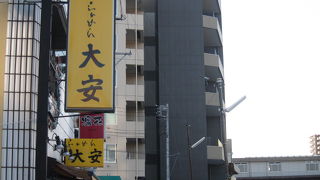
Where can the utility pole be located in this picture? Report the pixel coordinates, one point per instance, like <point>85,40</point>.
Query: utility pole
<point>163,114</point>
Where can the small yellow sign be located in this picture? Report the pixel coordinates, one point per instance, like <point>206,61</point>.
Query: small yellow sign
<point>85,152</point>
<point>90,65</point>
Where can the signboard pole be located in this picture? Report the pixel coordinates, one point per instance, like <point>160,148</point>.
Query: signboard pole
<point>42,111</point>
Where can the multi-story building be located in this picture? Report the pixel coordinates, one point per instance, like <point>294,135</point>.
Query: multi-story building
<point>184,69</point>
<point>20,36</point>
<point>182,43</point>
<point>33,52</point>
<point>124,133</point>
<point>315,144</point>
<point>284,168</point>
<point>20,46</point>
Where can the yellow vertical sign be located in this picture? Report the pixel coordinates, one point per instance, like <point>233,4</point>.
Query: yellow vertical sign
<point>85,152</point>
<point>90,65</point>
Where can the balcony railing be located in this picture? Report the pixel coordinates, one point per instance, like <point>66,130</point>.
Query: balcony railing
<point>215,153</point>
<point>211,50</point>
<point>132,117</point>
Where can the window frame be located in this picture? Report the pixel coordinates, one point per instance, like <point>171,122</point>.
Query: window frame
<point>106,153</point>
<point>244,164</point>
<point>272,165</point>
<point>310,163</point>
<point>107,123</point>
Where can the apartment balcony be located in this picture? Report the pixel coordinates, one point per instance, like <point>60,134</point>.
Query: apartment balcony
<point>135,118</point>
<point>212,104</point>
<point>138,126</point>
<point>133,164</point>
<point>212,6</point>
<point>212,31</point>
<point>215,154</point>
<point>134,44</point>
<point>135,153</point>
<point>139,53</point>
<point>131,92</point>
<point>132,21</point>
<point>213,66</point>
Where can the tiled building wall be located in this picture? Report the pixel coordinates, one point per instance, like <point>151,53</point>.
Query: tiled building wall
<point>20,91</point>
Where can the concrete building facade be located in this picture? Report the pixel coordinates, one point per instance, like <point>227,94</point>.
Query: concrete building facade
<point>20,56</point>
<point>167,52</point>
<point>315,144</point>
<point>184,69</point>
<point>124,133</point>
<point>299,167</point>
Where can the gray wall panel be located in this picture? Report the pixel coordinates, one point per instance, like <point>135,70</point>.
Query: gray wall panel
<point>213,130</point>
<point>152,171</point>
<point>181,84</point>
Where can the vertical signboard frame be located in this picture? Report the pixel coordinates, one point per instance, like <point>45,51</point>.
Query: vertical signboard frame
<point>88,101</point>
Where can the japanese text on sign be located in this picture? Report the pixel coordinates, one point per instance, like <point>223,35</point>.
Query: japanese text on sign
<point>90,56</point>
<point>91,125</point>
<point>85,152</point>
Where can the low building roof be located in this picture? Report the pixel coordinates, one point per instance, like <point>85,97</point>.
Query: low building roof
<point>279,159</point>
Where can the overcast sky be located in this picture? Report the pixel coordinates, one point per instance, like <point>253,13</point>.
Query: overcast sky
<point>272,55</point>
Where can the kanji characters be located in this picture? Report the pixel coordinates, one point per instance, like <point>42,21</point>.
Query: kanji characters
<point>85,152</point>
<point>95,155</point>
<point>77,155</point>
<point>88,120</point>
<point>89,92</point>
<point>90,55</point>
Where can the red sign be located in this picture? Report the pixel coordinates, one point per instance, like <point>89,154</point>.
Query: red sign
<point>91,125</point>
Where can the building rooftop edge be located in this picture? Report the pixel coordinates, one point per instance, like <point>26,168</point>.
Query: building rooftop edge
<point>275,158</point>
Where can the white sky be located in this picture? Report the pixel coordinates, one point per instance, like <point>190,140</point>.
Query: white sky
<point>272,55</point>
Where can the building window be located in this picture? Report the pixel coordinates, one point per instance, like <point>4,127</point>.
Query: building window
<point>131,71</point>
<point>111,156</point>
<point>312,166</point>
<point>132,147</point>
<point>110,118</point>
<point>131,36</point>
<point>274,166</point>
<point>131,6</point>
<point>133,113</point>
<point>243,167</point>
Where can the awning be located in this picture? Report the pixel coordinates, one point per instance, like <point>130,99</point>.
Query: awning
<point>109,177</point>
<point>61,172</point>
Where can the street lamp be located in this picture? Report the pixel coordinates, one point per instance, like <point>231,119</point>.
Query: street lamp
<point>198,142</point>
<point>192,147</point>
<point>230,108</point>
<point>220,84</point>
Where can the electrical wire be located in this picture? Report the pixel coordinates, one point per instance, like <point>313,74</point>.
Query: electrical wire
<point>64,130</point>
